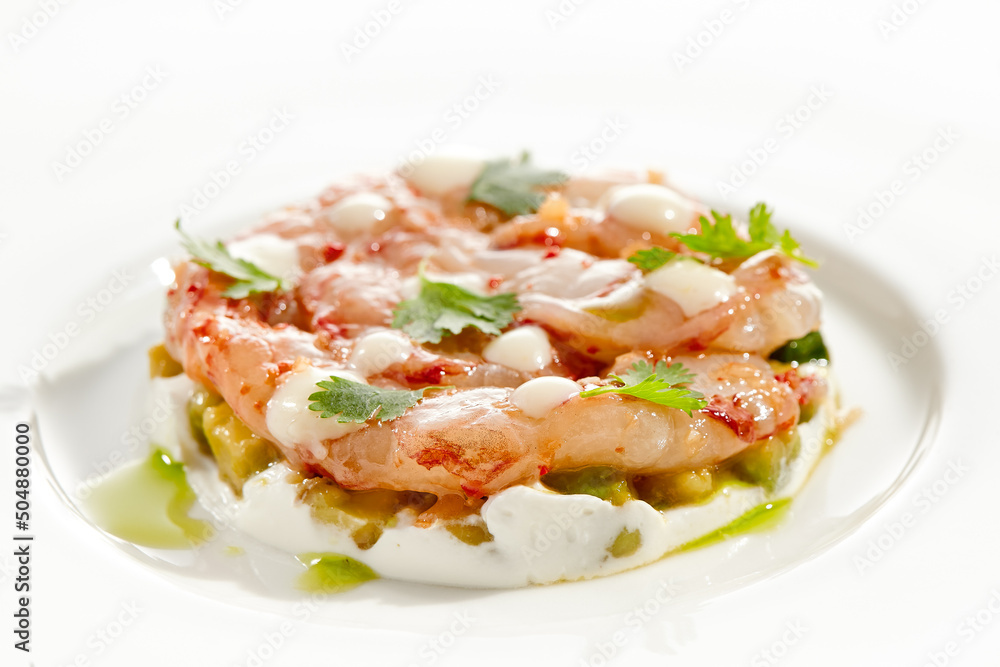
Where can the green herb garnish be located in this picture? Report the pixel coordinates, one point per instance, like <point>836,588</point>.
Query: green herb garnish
<point>355,402</point>
<point>721,240</point>
<point>650,259</point>
<point>661,384</point>
<point>443,308</point>
<point>249,278</point>
<point>801,350</point>
<point>513,185</point>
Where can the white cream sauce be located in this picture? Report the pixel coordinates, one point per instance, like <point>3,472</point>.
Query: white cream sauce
<point>692,285</point>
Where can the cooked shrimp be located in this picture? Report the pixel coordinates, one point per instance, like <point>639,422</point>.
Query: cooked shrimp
<point>597,312</point>
<point>475,441</point>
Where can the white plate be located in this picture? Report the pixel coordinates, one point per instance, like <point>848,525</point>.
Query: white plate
<point>96,393</point>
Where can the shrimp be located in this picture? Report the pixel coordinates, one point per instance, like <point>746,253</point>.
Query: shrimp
<point>773,303</point>
<point>472,440</point>
<point>476,442</point>
<point>227,345</point>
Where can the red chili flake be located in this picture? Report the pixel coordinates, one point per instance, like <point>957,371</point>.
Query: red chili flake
<point>551,237</point>
<point>543,471</point>
<point>327,324</point>
<point>553,251</point>
<point>332,251</point>
<point>733,415</point>
<point>429,374</point>
<point>803,387</point>
<point>593,349</point>
<point>495,282</point>
<point>444,456</point>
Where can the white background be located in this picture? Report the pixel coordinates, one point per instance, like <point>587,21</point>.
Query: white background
<point>886,92</point>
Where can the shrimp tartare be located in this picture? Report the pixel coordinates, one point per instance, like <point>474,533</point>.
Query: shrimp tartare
<point>483,373</point>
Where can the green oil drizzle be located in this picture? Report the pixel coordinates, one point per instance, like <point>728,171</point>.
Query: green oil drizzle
<point>332,573</point>
<point>147,503</point>
<point>763,516</point>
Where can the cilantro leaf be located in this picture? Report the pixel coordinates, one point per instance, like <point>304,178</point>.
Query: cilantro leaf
<point>443,308</point>
<point>720,239</point>
<point>249,278</point>
<point>650,259</point>
<point>672,374</point>
<point>760,227</point>
<point>661,384</point>
<point>351,401</point>
<point>512,185</point>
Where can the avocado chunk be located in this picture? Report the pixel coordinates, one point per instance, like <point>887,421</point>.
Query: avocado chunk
<point>200,399</point>
<point>801,350</point>
<point>161,364</point>
<point>766,464</point>
<point>239,453</point>
<point>682,488</point>
<point>601,482</point>
<point>365,514</point>
<point>626,543</point>
<point>472,534</point>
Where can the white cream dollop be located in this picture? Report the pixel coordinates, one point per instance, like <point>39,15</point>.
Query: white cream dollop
<point>377,351</point>
<point>523,349</point>
<point>651,207</point>
<point>290,420</point>
<point>443,172</point>
<point>358,213</point>
<point>539,396</point>
<point>277,256</point>
<point>694,286</point>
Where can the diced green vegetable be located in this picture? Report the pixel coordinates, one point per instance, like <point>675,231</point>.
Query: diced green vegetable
<point>239,453</point>
<point>201,398</point>
<point>599,481</point>
<point>766,463</point>
<point>801,350</point>
<point>670,490</point>
<point>472,534</point>
<point>364,513</point>
<point>626,544</point>
<point>161,364</point>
